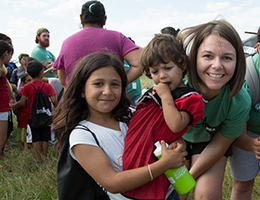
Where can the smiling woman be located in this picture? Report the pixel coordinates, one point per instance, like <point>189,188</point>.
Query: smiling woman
<point>216,64</point>
<point>217,72</point>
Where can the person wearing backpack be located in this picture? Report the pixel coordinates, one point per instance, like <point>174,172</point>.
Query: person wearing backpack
<point>39,108</point>
<point>244,164</point>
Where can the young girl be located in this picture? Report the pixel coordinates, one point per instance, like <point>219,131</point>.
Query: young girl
<point>217,72</point>
<point>22,116</point>
<point>6,52</point>
<point>96,98</point>
<point>163,113</point>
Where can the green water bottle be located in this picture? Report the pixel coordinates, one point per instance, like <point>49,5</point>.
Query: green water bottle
<point>180,178</point>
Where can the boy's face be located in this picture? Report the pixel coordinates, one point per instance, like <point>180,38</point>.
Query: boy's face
<point>28,79</point>
<point>22,62</point>
<point>169,74</point>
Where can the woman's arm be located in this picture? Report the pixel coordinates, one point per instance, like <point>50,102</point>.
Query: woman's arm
<point>97,164</point>
<point>176,120</point>
<point>133,58</point>
<point>211,154</point>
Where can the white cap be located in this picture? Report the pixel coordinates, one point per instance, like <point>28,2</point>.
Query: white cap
<point>158,150</point>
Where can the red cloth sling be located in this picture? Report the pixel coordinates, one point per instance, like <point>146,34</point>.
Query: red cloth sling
<point>148,126</point>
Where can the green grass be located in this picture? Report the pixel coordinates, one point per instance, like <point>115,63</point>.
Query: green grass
<point>21,178</point>
<point>146,82</point>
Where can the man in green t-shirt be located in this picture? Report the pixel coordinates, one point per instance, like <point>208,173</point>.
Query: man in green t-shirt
<point>41,54</point>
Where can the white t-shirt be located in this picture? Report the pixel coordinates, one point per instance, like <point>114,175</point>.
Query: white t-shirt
<point>111,141</point>
<point>55,83</point>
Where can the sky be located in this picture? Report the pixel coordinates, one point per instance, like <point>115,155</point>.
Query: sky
<point>138,19</point>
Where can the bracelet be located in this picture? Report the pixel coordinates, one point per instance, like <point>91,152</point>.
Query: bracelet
<point>150,172</point>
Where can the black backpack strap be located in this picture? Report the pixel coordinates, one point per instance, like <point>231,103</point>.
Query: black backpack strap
<point>33,87</point>
<point>87,129</point>
<point>42,85</point>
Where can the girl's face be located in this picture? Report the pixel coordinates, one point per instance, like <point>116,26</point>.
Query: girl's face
<point>103,91</point>
<point>169,74</point>
<point>7,57</point>
<point>216,64</point>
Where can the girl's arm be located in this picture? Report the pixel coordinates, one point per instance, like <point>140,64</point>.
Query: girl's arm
<point>175,119</point>
<point>96,163</point>
<point>13,100</point>
<point>211,154</point>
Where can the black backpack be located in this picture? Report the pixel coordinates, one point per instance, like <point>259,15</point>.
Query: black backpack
<point>73,181</point>
<point>41,110</point>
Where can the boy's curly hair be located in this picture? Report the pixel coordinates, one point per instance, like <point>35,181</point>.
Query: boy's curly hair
<point>164,48</point>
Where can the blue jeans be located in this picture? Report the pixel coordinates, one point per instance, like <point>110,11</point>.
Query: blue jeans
<point>173,196</point>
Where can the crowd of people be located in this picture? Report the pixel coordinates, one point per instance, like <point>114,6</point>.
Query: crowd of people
<point>200,106</point>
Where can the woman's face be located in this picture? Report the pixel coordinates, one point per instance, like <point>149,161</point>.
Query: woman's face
<point>216,64</point>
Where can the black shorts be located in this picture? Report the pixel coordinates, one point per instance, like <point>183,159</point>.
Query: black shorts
<point>40,134</point>
<point>197,148</point>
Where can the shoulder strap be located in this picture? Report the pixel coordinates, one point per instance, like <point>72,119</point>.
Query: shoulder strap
<point>42,86</point>
<point>87,129</point>
<point>252,80</point>
<point>33,87</point>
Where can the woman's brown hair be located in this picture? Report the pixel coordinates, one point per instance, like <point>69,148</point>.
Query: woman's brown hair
<point>192,37</point>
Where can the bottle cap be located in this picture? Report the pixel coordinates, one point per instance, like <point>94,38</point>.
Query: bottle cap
<point>158,150</point>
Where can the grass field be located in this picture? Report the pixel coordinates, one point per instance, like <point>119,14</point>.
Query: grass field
<point>22,179</point>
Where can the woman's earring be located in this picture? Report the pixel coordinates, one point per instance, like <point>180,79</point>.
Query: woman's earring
<point>82,95</point>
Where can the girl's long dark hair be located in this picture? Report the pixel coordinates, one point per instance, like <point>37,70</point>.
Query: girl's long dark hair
<point>73,108</point>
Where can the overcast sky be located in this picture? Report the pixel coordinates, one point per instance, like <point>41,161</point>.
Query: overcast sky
<point>139,19</point>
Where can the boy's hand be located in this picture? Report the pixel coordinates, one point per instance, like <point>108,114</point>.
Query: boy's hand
<point>162,89</point>
<point>180,142</point>
<point>13,105</point>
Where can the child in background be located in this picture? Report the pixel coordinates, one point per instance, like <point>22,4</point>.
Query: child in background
<point>19,71</point>
<point>40,136</point>
<point>22,116</point>
<point>163,113</point>
<point>96,98</point>
<point>134,88</point>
